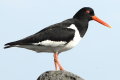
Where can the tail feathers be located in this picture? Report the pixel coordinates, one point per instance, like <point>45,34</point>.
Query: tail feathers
<point>8,46</point>
<point>11,44</point>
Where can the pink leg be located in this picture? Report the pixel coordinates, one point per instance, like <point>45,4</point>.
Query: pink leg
<point>57,63</point>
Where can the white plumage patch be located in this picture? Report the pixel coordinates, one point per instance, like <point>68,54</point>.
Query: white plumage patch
<point>76,38</point>
<point>51,43</point>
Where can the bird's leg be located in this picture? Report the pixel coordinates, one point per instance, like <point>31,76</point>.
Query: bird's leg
<point>57,61</point>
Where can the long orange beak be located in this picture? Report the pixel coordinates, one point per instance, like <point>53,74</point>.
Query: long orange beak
<point>100,21</point>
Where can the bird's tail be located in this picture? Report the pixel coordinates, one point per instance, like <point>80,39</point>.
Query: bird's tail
<point>11,44</point>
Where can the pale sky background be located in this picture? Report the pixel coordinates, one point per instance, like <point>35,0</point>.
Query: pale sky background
<point>97,57</point>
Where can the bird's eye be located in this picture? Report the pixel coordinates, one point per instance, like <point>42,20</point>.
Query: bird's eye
<point>88,11</point>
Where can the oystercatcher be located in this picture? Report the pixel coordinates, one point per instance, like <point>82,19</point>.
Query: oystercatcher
<point>59,37</point>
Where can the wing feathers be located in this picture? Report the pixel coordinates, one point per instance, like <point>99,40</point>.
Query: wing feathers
<point>58,36</point>
<point>54,34</point>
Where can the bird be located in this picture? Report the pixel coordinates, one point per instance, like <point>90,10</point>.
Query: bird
<point>59,37</point>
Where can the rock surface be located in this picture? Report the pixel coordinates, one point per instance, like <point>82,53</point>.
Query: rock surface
<point>58,75</point>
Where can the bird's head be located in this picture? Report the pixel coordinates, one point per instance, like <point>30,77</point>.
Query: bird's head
<point>88,13</point>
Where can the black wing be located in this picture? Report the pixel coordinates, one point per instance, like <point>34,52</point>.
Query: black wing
<point>53,33</point>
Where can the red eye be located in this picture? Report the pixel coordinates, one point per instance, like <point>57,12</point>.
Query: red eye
<point>88,11</point>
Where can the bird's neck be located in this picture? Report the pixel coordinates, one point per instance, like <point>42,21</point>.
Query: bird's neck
<point>82,25</point>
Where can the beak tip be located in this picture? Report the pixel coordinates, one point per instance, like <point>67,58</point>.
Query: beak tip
<point>110,26</point>
<point>100,21</point>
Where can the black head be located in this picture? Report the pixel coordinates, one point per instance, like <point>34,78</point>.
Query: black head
<point>85,12</point>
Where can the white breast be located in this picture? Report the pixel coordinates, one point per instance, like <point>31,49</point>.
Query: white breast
<point>75,40</point>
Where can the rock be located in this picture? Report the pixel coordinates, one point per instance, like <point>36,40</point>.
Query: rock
<point>58,75</point>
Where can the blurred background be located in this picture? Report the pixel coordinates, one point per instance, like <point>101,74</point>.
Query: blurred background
<point>97,57</point>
